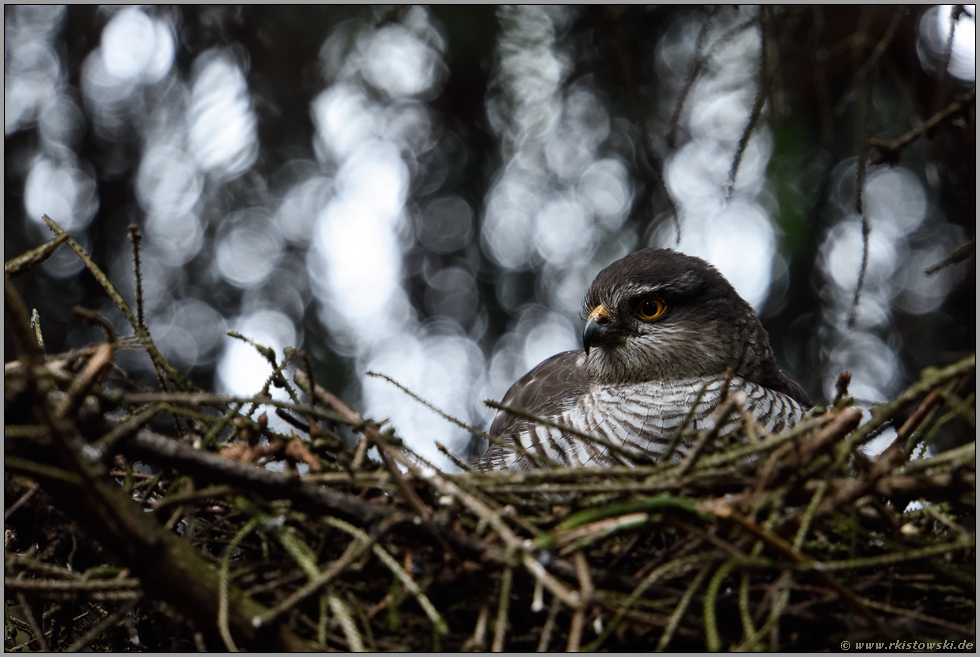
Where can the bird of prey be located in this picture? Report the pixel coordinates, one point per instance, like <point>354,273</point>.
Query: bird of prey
<point>659,327</point>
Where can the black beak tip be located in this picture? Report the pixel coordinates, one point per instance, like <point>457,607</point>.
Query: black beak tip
<point>593,334</point>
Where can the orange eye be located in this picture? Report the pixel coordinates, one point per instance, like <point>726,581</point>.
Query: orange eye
<point>650,308</point>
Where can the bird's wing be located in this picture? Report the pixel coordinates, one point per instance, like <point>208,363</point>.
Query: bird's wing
<point>544,391</point>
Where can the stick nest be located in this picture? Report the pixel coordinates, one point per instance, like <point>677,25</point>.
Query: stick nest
<point>119,537</point>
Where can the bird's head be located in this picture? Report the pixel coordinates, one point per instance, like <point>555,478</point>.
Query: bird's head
<point>661,315</point>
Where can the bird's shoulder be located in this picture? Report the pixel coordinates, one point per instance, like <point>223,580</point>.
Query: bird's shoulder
<point>772,378</point>
<point>544,390</point>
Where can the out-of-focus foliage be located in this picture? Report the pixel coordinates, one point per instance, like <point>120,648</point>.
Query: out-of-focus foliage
<point>428,192</point>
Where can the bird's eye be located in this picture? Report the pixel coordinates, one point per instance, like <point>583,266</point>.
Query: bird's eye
<point>650,308</point>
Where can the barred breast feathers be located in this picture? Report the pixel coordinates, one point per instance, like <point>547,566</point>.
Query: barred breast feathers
<point>642,418</point>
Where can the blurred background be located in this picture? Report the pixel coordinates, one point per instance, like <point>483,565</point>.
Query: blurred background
<point>428,192</point>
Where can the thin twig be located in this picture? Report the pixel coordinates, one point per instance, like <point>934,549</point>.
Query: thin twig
<point>21,500</point>
<point>961,254</point>
<point>135,237</point>
<point>159,362</point>
<point>679,431</point>
<point>503,604</point>
<point>879,561</point>
<point>477,642</point>
<point>549,625</point>
<point>430,406</point>
<point>681,609</point>
<point>355,549</point>
<point>761,95</point>
<point>871,64</point>
<point>891,148</point>
<point>36,325</point>
<point>223,628</point>
<point>103,625</point>
<point>586,589</point>
<point>698,60</point>
<point>653,160</point>
<point>783,583</point>
<point>651,579</point>
<point>39,636</point>
<point>713,426</point>
<point>27,261</point>
<point>698,66</point>
<point>347,624</point>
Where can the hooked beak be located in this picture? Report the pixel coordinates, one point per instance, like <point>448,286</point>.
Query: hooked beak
<point>597,328</point>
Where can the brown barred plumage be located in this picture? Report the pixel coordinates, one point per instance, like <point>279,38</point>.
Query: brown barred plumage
<point>660,326</point>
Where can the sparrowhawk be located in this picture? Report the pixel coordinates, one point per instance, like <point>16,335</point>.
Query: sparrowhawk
<point>659,327</point>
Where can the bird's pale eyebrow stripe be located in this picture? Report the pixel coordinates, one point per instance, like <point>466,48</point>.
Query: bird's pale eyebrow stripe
<point>634,290</point>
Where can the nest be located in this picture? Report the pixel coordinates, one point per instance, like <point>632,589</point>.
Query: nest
<point>796,541</point>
